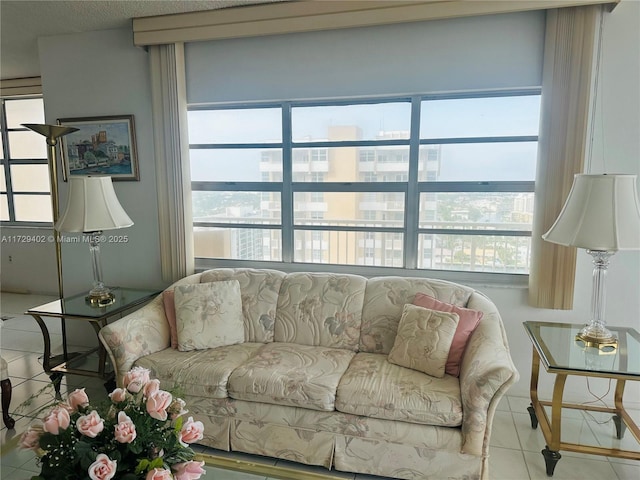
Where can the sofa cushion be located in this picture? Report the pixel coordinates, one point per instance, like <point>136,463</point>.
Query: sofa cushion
<point>199,373</point>
<point>469,320</point>
<point>259,290</point>
<point>208,315</point>
<point>373,387</point>
<point>290,374</point>
<point>424,339</point>
<point>384,300</point>
<point>320,309</point>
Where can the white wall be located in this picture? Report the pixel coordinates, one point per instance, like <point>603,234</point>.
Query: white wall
<point>616,149</point>
<point>101,73</point>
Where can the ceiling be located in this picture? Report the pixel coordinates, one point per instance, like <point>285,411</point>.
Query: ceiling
<point>22,22</point>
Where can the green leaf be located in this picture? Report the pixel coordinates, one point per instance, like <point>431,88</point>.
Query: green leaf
<point>157,463</point>
<point>142,466</point>
<point>179,422</point>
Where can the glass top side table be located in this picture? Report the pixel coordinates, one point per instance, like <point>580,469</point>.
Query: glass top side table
<point>77,308</point>
<point>555,346</point>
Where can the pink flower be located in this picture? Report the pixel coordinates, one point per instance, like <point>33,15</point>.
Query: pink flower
<point>158,403</point>
<point>57,419</point>
<point>151,387</point>
<point>125,429</point>
<point>188,470</point>
<point>136,378</point>
<point>30,439</point>
<point>77,398</point>
<point>103,468</point>
<point>158,474</point>
<point>191,432</point>
<point>118,395</point>
<point>90,425</point>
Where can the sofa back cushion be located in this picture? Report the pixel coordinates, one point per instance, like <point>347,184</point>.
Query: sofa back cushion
<point>320,309</point>
<point>385,297</point>
<point>259,291</point>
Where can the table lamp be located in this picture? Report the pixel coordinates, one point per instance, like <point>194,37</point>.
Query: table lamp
<point>602,215</point>
<point>92,207</point>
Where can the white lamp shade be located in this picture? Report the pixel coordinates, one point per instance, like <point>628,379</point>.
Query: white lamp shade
<point>601,213</point>
<point>92,206</point>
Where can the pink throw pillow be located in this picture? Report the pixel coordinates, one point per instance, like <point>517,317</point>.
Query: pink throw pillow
<point>170,312</point>
<point>469,320</point>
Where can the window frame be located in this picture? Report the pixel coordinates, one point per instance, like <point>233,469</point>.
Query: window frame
<point>412,188</point>
<point>6,162</point>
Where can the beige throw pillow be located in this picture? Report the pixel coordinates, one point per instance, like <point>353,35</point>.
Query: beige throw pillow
<point>423,340</point>
<point>208,315</point>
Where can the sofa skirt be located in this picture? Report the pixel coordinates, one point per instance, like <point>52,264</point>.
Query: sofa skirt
<point>335,440</point>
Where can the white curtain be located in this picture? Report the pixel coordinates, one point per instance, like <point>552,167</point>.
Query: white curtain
<point>172,149</point>
<point>567,85</point>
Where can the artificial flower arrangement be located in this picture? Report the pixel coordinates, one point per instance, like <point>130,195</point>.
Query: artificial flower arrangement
<point>141,434</point>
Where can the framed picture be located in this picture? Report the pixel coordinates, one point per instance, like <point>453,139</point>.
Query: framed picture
<point>101,146</point>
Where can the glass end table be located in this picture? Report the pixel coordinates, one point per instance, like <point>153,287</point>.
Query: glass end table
<point>556,347</point>
<point>77,307</point>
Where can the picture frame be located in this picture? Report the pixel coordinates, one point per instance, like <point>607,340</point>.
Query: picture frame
<point>101,146</point>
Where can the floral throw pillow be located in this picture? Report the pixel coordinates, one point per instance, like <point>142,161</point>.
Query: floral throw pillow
<point>208,315</point>
<point>469,320</point>
<point>170,311</point>
<point>423,340</point>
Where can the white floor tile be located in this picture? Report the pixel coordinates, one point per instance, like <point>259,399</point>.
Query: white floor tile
<point>507,464</point>
<point>573,431</point>
<point>627,471</point>
<point>28,324</point>
<point>503,433</point>
<point>27,366</point>
<point>29,397</point>
<point>519,404</point>
<point>17,303</point>
<point>503,406</point>
<point>27,341</point>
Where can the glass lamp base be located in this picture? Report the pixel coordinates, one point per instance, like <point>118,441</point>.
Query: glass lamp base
<point>597,336</point>
<point>100,297</point>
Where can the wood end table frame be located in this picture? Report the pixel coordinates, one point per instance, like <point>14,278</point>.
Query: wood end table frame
<point>557,359</point>
<point>77,308</point>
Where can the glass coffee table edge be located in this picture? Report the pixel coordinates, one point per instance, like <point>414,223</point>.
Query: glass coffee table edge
<point>263,469</point>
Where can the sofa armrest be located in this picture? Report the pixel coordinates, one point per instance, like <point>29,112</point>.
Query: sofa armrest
<point>486,373</point>
<point>140,333</point>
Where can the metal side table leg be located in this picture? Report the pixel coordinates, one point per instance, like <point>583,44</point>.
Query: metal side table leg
<point>551,458</point>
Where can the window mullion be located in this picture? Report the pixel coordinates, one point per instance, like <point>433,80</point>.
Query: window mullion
<point>412,198</point>
<point>287,189</point>
<point>7,166</point>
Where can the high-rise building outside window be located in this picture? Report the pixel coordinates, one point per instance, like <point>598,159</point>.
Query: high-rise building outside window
<point>440,182</point>
<point>25,197</point>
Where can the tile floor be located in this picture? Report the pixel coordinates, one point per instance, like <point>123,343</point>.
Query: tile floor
<point>515,452</point>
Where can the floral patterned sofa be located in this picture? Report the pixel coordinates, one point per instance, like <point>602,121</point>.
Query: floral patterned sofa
<point>312,382</point>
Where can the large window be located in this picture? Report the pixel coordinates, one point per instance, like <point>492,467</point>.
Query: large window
<point>24,174</point>
<point>421,182</point>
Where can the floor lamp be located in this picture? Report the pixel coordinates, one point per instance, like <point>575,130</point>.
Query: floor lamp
<point>52,134</point>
